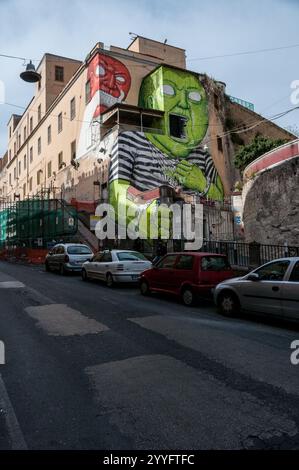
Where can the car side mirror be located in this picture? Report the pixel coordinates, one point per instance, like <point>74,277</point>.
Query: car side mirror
<point>253,277</point>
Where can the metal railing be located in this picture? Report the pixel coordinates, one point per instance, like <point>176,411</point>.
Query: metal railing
<point>249,255</point>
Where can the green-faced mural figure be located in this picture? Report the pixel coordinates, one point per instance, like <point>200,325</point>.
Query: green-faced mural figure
<point>183,99</point>
<point>174,157</point>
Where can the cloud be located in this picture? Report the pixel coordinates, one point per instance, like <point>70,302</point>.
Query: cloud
<point>31,28</point>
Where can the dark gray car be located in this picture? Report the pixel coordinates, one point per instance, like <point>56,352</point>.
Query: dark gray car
<point>68,257</point>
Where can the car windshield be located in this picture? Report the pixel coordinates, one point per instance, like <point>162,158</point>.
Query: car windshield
<point>78,250</point>
<point>131,256</point>
<point>215,263</point>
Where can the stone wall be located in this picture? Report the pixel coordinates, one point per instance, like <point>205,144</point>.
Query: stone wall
<point>271,205</point>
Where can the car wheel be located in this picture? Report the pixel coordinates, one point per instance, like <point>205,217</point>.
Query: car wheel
<point>84,275</point>
<point>188,297</point>
<point>47,267</point>
<point>62,270</point>
<point>109,280</point>
<point>144,288</point>
<point>228,304</point>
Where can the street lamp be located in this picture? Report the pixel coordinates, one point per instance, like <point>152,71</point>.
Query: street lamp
<point>30,74</point>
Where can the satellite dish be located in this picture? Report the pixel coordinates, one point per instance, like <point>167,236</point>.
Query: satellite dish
<point>30,75</point>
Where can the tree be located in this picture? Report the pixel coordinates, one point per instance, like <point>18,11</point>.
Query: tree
<point>250,152</point>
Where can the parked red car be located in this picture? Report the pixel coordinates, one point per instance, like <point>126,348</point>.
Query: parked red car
<point>186,274</point>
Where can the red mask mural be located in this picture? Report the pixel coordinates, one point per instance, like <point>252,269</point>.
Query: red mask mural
<point>110,78</point>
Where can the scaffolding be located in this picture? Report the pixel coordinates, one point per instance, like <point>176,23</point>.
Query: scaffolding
<point>36,221</point>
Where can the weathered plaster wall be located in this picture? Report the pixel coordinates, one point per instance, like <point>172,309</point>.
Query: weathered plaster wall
<point>271,206</point>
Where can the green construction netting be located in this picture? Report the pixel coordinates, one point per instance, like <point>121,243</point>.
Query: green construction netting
<point>31,219</point>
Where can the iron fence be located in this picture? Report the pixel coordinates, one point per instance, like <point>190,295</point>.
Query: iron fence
<point>249,255</point>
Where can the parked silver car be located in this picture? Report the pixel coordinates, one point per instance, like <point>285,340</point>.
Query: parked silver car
<point>67,257</point>
<point>116,266</point>
<point>270,289</point>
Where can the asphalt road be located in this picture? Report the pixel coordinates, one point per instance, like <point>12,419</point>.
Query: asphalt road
<point>89,367</point>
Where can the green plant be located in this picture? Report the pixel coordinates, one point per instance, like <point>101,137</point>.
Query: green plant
<point>250,152</point>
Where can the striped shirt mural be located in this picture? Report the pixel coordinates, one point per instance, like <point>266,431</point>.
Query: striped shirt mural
<point>135,159</point>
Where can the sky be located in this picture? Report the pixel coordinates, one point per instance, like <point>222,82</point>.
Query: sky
<point>29,28</point>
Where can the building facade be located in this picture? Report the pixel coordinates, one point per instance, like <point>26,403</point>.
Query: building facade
<point>124,123</point>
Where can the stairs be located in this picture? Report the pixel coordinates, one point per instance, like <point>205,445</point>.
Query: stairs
<point>87,237</point>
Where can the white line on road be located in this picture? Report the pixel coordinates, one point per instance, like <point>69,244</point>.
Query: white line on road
<point>11,285</point>
<point>14,430</point>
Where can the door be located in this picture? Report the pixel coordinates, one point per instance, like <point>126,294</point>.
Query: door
<point>92,267</point>
<point>183,272</point>
<point>265,294</point>
<point>213,270</point>
<point>51,258</point>
<point>57,251</point>
<point>103,265</point>
<point>162,277</point>
<point>290,294</point>
<point>60,256</point>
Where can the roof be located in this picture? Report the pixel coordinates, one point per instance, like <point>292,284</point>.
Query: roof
<point>174,67</point>
<point>153,40</point>
<point>130,107</point>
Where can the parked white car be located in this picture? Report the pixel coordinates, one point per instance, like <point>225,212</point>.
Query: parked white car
<point>271,289</point>
<point>116,266</point>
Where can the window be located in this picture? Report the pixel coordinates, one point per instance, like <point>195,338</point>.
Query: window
<point>78,250</point>
<point>219,144</point>
<point>38,177</point>
<point>97,257</point>
<point>73,108</point>
<point>24,190</point>
<point>20,168</point>
<point>87,92</point>
<point>106,258</point>
<point>39,146</point>
<point>49,134</point>
<point>10,132</point>
<point>14,172</point>
<point>131,256</point>
<point>273,271</point>
<point>39,113</point>
<point>19,140</point>
<point>185,262</point>
<point>167,262</point>
<point>60,160</point>
<point>294,277</point>
<point>31,124</point>
<point>10,179</point>
<point>73,150</point>
<point>215,263</point>
<point>59,122</point>
<point>177,126</point>
<point>30,184</point>
<point>59,73</point>
<point>9,154</point>
<point>25,162</point>
<point>49,169</point>
<point>31,154</point>
<point>25,133</point>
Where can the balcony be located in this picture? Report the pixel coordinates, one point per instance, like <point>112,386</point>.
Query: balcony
<point>123,117</point>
